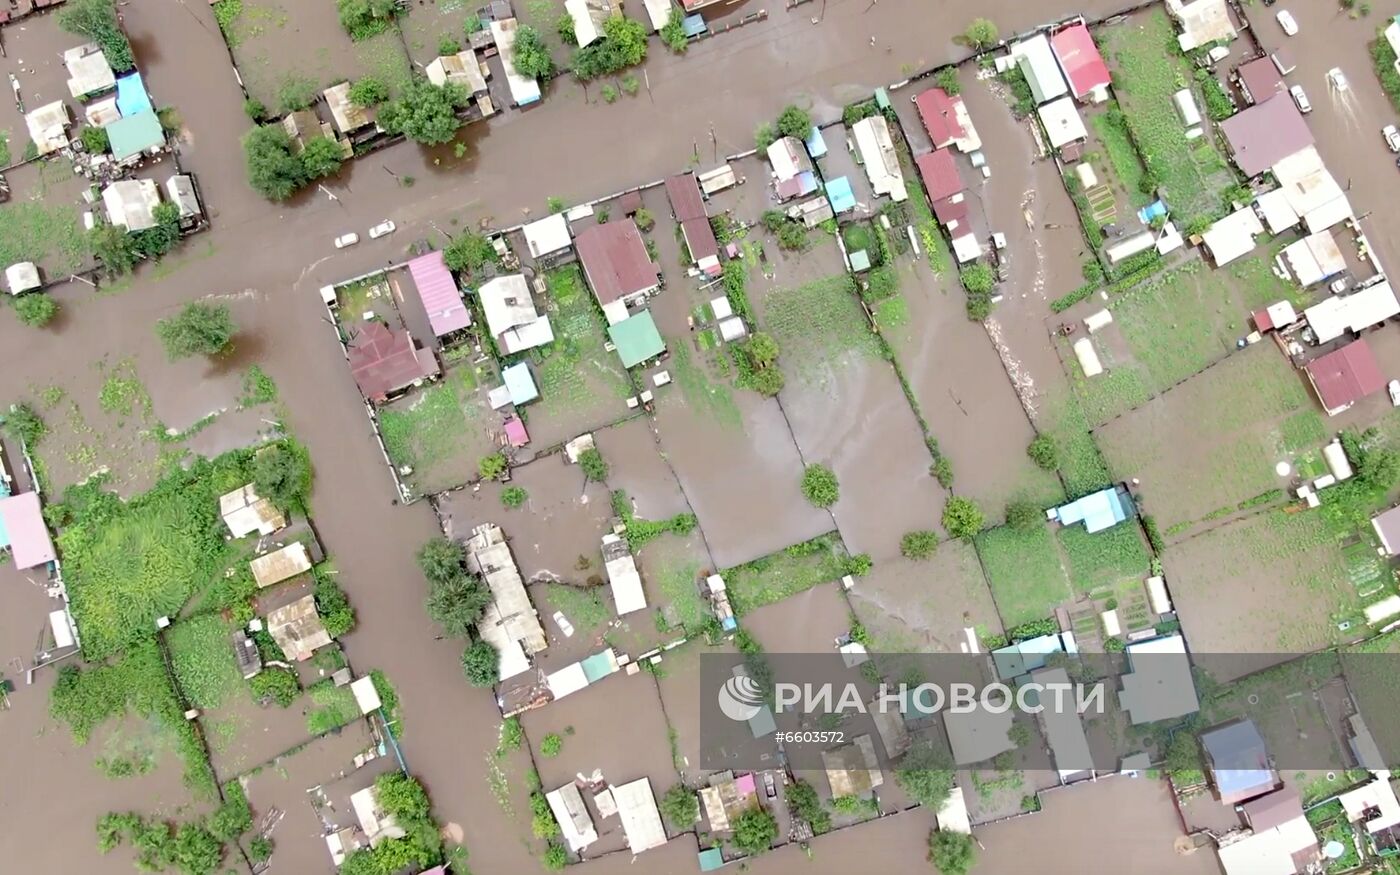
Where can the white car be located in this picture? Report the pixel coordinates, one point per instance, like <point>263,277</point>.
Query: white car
<point>563,623</point>
<point>345,240</point>
<point>1392,137</point>
<point>383,228</point>
<point>1394,387</point>
<point>1337,78</point>
<point>1287,22</point>
<point>1300,98</point>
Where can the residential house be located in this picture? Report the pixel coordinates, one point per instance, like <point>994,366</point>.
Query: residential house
<point>510,622</point>
<point>524,90</point>
<point>1345,376</point>
<point>1312,193</point>
<point>1064,730</point>
<point>385,361</point>
<point>1062,122</point>
<point>641,822</point>
<point>1337,315</point>
<point>588,16</point>
<point>617,266</point>
<point>23,530</point>
<point>1266,133</point>
<point>132,203</point>
<point>347,115</point>
<point>792,168</point>
<point>1259,79</point>
<point>1232,237</point>
<point>1239,761</point>
<point>1036,61</point>
<point>461,68</point>
<point>575,824</point>
<point>1081,63</point>
<point>1097,511</point>
<point>279,565</point>
<point>88,71</point>
<point>852,769</point>
<point>511,316</point>
<point>1373,806</point>
<point>939,171</point>
<point>978,734</point>
<point>48,127</point>
<point>297,628</point>
<point>947,121</point>
<point>245,513</point>
<point>727,797</point>
<point>1314,259</point>
<point>1159,685</point>
<point>621,568</point>
<point>876,148</point>
<point>438,292</point>
<point>1202,22</point>
<point>1278,841</point>
<point>689,209</point>
<point>1387,528</point>
<point>636,339</point>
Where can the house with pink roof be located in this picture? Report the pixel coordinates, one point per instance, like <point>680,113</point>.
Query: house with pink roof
<point>23,530</point>
<point>446,310</point>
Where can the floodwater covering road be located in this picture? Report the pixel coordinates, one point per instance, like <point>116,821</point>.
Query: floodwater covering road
<point>277,256</point>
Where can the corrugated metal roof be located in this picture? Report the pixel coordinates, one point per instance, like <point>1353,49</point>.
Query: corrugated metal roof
<point>447,312</point>
<point>24,526</point>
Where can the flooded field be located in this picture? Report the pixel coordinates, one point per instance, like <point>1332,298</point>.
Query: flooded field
<point>43,220</point>
<point>924,607</point>
<point>809,622</point>
<point>34,58</point>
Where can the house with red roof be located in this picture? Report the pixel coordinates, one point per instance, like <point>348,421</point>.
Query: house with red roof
<point>1081,62</point>
<point>1345,376</point>
<point>688,207</point>
<point>943,183</point>
<point>385,361</point>
<point>946,119</point>
<point>616,262</point>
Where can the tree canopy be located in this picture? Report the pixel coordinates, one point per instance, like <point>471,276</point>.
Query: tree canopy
<point>424,112</point>
<point>925,776</point>
<point>282,475</point>
<point>321,156</point>
<point>469,252</point>
<point>97,20</point>
<point>754,831</point>
<point>795,122</point>
<point>481,663</point>
<point>819,486</point>
<point>368,91</point>
<point>273,170</point>
<point>962,518</point>
<point>36,309</point>
<point>624,44</point>
<point>200,328</point>
<point>981,33</point>
<point>531,55</point>
<point>951,853</point>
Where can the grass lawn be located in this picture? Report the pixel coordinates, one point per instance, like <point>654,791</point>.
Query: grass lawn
<point>332,707</point>
<point>816,324</point>
<point>1081,463</point>
<point>47,234</point>
<point>584,607</point>
<point>1147,70</point>
<point>1304,430</point>
<point>1024,570</point>
<point>575,371</point>
<point>1103,559</point>
<point>434,427</point>
<point>787,572</point>
<point>202,652</point>
<point>712,397</point>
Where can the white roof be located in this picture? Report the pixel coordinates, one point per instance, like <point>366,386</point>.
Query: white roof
<point>640,819</point>
<point>489,555</point>
<point>721,308</point>
<point>574,822</point>
<point>1314,258</point>
<point>1062,122</point>
<point>732,328</point>
<point>548,235</point>
<point>1202,21</point>
<point>22,277</point>
<point>1336,459</point>
<point>719,179</point>
<point>1383,610</point>
<point>523,89</point>
<point>785,154</point>
<point>1157,595</point>
<point>877,152</point>
<point>493,631</point>
<point>1279,214</point>
<point>102,113</point>
<point>377,825</point>
<point>953,815</point>
<point>1063,728</point>
<point>1041,70</point>
<point>180,189</point>
<point>1098,320</point>
<point>569,679</point>
<point>366,696</point>
<point>1311,190</point>
<point>1233,236</point>
<point>280,565</point>
<point>1377,794</point>
<point>588,20</point>
<point>1186,105</point>
<point>461,68</point>
<point>622,575</point>
<point>659,11</point>
<point>62,627</point>
<point>1356,312</point>
<point>966,248</point>
<point>132,202</point>
<point>1088,357</point>
<point>347,115</point>
<point>88,70</point>
<point>1269,852</point>
<point>244,513</point>
<point>511,315</point>
<point>1160,686</point>
<point>48,127</point>
<point>1130,247</point>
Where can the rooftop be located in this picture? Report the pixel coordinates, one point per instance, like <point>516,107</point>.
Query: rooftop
<point>1202,22</point>
<point>636,339</point>
<point>689,208</point>
<point>615,260</point>
<point>938,111</point>
<point>1080,59</point>
<point>511,316</point>
<point>548,235</point>
<point>1265,133</point>
<point>447,312</point>
<point>348,115</point>
<point>297,628</point>
<point>852,769</point>
<point>88,71</point>
<point>133,134</point>
<point>1160,685</point>
<point>940,174</point>
<point>1098,511</point>
<point>640,820</point>
<point>461,69</point>
<point>1062,122</point>
<point>872,136</point>
<point>523,89</point>
<point>281,565</point>
<point>1344,376</point>
<point>1239,761</point>
<point>1260,79</point>
<point>244,513</point>
<point>1042,71</point>
<point>132,203</point>
<point>385,360</point>
<point>1334,316</point>
<point>23,530</point>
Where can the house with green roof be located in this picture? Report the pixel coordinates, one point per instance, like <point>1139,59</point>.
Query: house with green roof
<point>636,339</point>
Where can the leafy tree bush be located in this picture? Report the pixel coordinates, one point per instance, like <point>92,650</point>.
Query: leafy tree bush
<point>424,112</point>
<point>1044,452</point>
<point>114,248</point>
<point>275,685</point>
<point>456,604</point>
<point>754,831</point>
<point>337,615</point>
<point>36,309</point>
<point>763,137</point>
<point>469,252</point>
<point>978,278</point>
<point>402,797</point>
<point>95,140</point>
<point>97,20</point>
<point>551,745</point>
<point>363,19</point>
<point>1024,516</point>
<point>199,329</point>
<point>273,170</point>
<point>513,496</point>
<point>295,93</point>
<point>942,471</point>
<point>449,45</point>
<point>951,853</point>
<point>925,776</point>
<point>255,109</point>
<point>673,34</point>
<point>442,559</point>
<point>368,91</point>
<point>981,33</point>
<point>794,121</point>
<point>542,822</point>
<point>492,467</point>
<point>282,474</point>
<point>564,26</point>
<point>260,849</point>
<point>680,806</point>
<point>644,219</point>
<point>24,425</point>
<point>555,857</point>
<point>805,804</point>
<point>962,518</point>
<point>819,486</point>
<point>481,663</point>
<point>531,55</point>
<point>792,236</point>
<point>979,306</point>
<point>918,544</point>
<point>157,241</point>
<point>762,349</point>
<point>624,44</point>
<point>234,817</point>
<point>947,79</point>
<point>594,466</point>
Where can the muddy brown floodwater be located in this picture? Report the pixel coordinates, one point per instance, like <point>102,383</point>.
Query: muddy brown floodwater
<point>273,258</point>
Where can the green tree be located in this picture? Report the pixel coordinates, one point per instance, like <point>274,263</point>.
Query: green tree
<point>402,797</point>
<point>157,241</point>
<point>762,349</point>
<point>564,25</point>
<point>805,804</point>
<point>469,252</point>
<point>680,806</point>
<point>273,170</point>
<point>754,831</point>
<point>234,817</point>
<point>24,425</point>
<point>555,857</point>
<point>1044,452</point>
<point>551,745</point>
<point>481,663</point>
<point>947,79</point>
<point>456,604</point>
<point>113,246</point>
<point>492,467</point>
<point>368,91</point>
<point>981,33</point>
<point>951,853</point>
<point>36,309</point>
<point>925,776</point>
<point>819,486</point>
<point>1024,516</point>
<point>97,20</point>
<point>275,685</point>
<point>424,112</point>
<point>95,140</point>
<point>531,54</point>
<point>978,278</point>
<point>200,328</point>
<point>321,157</point>
<point>363,19</point>
<point>282,474</point>
<point>794,122</point>
<point>624,44</point>
<point>594,466</point>
<point>962,518</point>
<point>442,559</point>
<point>673,34</point>
<point>260,849</point>
<point>918,544</point>
<point>513,496</point>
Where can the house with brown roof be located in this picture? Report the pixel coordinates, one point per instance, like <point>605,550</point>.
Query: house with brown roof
<point>1345,376</point>
<point>943,183</point>
<point>689,209</point>
<point>1265,134</point>
<point>1259,79</point>
<point>385,361</point>
<point>616,263</point>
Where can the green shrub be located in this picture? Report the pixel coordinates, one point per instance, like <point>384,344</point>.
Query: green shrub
<point>819,486</point>
<point>942,471</point>
<point>275,685</point>
<point>623,45</point>
<point>594,466</point>
<point>513,496</point>
<point>337,615</point>
<point>555,857</point>
<point>469,252</point>
<point>255,109</point>
<point>492,467</point>
<point>754,831</point>
<point>1024,515</point>
<point>424,112</point>
<point>925,776</point>
<point>1083,293</point>
<point>97,20</point>
<point>918,544</point>
<point>1044,452</point>
<point>947,79</point>
<point>531,54</point>
<point>199,329</point>
<point>551,745</point>
<point>95,140</point>
<point>481,663</point>
<point>978,278</point>
<point>1154,534</point>
<point>260,849</point>
<point>794,122</point>
<point>35,309</point>
<point>951,853</point>
<point>981,33</point>
<point>369,91</point>
<point>680,806</point>
<point>962,518</point>
<point>363,19</point>
<point>673,34</point>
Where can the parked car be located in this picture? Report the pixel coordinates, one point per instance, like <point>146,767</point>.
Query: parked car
<point>1337,79</point>
<point>1287,22</point>
<point>1300,98</point>
<point>770,787</point>
<point>383,228</point>
<point>345,240</point>
<point>564,625</point>
<point>1392,137</point>
<point>1394,387</point>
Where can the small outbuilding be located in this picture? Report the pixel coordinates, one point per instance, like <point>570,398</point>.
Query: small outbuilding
<point>641,822</point>
<point>1037,63</point>
<point>1063,124</point>
<point>1239,761</point>
<point>132,203</point>
<point>22,277</point>
<point>298,629</point>
<point>134,135</point>
<point>279,565</point>
<point>520,383</point>
<point>575,824</point>
<point>48,127</point>
<point>1345,376</point>
<point>876,149</point>
<point>23,530</point>
<point>245,513</point>
<point>1097,511</point>
<point>626,583</point>
<point>461,68</point>
<point>1232,237</point>
<point>348,115</point>
<point>547,236</point>
<point>852,769</point>
<point>88,71</point>
<point>636,339</point>
<point>511,316</point>
<point>1159,685</point>
<point>385,361</point>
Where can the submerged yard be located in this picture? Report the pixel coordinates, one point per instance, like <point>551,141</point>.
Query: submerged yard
<point>1023,567</point>
<point>439,431</point>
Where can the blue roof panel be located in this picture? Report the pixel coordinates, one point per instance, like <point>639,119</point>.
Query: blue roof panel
<point>838,191</point>
<point>131,95</point>
<point>815,143</point>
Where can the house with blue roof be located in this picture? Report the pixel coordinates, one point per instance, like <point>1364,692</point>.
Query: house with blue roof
<point>1239,761</point>
<point>1098,511</point>
<point>839,192</point>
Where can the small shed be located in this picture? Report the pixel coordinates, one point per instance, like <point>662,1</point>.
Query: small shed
<point>279,565</point>
<point>1088,357</point>
<point>180,190</point>
<point>298,629</point>
<point>641,821</point>
<point>1097,511</point>
<point>347,115</point>
<point>1233,237</point>
<point>515,431</point>
<point>366,695</point>
<point>132,203</point>
<point>1063,124</point>
<point>461,69</point>
<point>23,530</point>
<point>548,235</point>
<point>621,568</point>
<point>566,803</point>
<point>853,769</point>
<point>88,71</point>
<point>132,96</point>
<point>1037,63</point>
<point>133,135</point>
<point>246,654</point>
<point>1239,761</point>
<point>636,339</point>
<point>245,513</point>
<point>717,180</point>
<point>840,195</point>
<point>22,277</point>
<point>48,127</point>
<point>1314,259</point>
<point>966,248</point>
<point>520,383</point>
<point>1344,376</point>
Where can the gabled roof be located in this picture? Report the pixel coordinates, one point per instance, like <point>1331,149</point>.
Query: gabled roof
<point>348,115</point>
<point>511,316</point>
<point>1062,122</point>
<point>1080,59</point>
<point>689,208</point>
<point>1266,133</point>
<point>1344,376</point>
<point>1037,63</point>
<point>24,531</point>
<point>447,312</point>
<point>940,174</point>
<point>134,134</point>
<point>938,111</point>
<point>1260,79</point>
<point>1338,314</point>
<point>384,361</point>
<point>615,260</point>
<point>1239,761</point>
<point>636,339</point>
